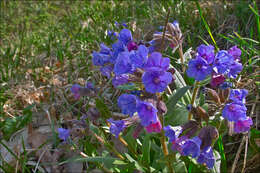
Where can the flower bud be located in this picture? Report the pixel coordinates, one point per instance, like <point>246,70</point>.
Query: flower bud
<point>207,135</point>
<point>213,95</point>
<point>202,114</point>
<point>190,128</point>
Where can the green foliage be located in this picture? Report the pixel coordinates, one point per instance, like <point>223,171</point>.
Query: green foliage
<point>11,125</point>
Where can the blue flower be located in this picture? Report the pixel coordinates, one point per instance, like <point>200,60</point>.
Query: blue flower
<point>123,64</point>
<point>207,157</point>
<point>127,103</point>
<point>192,147</point>
<point>64,133</point>
<point>178,143</point>
<point>125,36</point>
<point>206,52</point>
<point>157,63</point>
<point>235,68</point>
<point>238,95</point>
<point>117,48</point>
<point>225,85</point>
<point>147,113</point>
<point>116,126</point>
<point>106,70</point>
<point>170,133</point>
<point>235,53</point>
<point>243,125</point>
<point>120,80</point>
<point>75,89</point>
<point>222,62</point>
<point>234,112</point>
<point>139,57</point>
<point>103,57</point>
<point>198,69</point>
<point>89,85</point>
<point>156,81</point>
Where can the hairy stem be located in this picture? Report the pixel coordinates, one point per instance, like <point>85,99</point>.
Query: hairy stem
<point>194,94</point>
<point>181,57</point>
<point>164,146</point>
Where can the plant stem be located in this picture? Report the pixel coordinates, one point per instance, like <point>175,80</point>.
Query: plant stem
<point>164,29</point>
<point>194,94</point>
<point>164,146</point>
<point>181,57</point>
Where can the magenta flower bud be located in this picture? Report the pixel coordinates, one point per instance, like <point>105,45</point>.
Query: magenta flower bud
<point>132,46</point>
<point>243,125</point>
<point>155,127</point>
<point>217,79</point>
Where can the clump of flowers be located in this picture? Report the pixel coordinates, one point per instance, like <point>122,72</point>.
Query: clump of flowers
<point>142,75</point>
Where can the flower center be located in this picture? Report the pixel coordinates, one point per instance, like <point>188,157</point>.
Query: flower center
<point>156,80</point>
<point>231,107</point>
<point>199,66</point>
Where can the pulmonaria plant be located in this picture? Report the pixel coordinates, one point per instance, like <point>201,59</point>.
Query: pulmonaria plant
<point>146,74</point>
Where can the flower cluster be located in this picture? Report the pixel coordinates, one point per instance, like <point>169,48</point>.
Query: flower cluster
<point>224,64</point>
<point>128,62</point>
<point>235,111</point>
<point>197,147</point>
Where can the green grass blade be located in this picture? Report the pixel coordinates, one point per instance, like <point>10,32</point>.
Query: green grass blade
<point>206,25</point>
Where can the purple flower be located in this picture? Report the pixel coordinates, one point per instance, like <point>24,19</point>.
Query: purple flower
<point>198,69</point>
<point>192,147</point>
<point>120,80</point>
<point>207,157</point>
<point>157,63</point>
<point>136,92</point>
<point>170,133</point>
<point>75,89</point>
<point>234,112</point>
<point>235,52</point>
<point>132,46</point>
<point>123,64</point>
<point>101,58</point>
<point>127,104</point>
<point>106,70</point>
<point>125,36</point>
<point>177,145</point>
<point>116,126</point>
<point>64,133</point>
<point>225,85</point>
<point>206,52</point>
<point>111,34</point>
<point>117,48</point>
<point>238,95</point>
<point>155,81</point>
<point>139,57</point>
<point>147,113</point>
<point>243,125</point>
<point>222,62</point>
<point>155,127</point>
<point>89,85</point>
<point>235,68</point>
<point>217,79</point>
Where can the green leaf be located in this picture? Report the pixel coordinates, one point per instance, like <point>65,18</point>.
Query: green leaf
<point>102,108</point>
<point>179,114</point>
<point>216,168</point>
<point>175,98</point>
<point>180,83</point>
<point>129,87</point>
<point>180,167</point>
<point>137,165</point>
<point>146,149</point>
